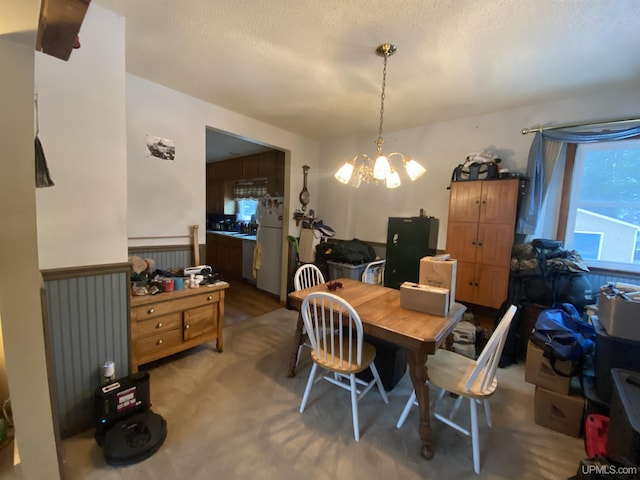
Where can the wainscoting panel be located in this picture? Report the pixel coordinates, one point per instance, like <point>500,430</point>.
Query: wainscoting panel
<point>168,256</point>
<point>602,277</point>
<point>88,324</point>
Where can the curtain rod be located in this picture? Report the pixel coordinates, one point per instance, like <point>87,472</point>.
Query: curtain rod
<point>540,128</point>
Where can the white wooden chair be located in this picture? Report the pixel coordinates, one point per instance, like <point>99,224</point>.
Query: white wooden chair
<point>342,352</point>
<point>374,272</point>
<point>307,275</point>
<point>474,380</point>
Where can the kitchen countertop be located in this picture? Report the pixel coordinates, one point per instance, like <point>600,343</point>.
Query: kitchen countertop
<point>241,236</point>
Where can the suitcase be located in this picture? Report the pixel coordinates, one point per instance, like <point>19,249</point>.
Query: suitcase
<point>126,428</point>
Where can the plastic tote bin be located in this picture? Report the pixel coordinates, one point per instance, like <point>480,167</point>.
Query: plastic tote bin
<point>623,438</point>
<point>345,270</point>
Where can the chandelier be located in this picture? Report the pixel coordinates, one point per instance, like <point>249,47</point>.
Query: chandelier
<point>362,168</point>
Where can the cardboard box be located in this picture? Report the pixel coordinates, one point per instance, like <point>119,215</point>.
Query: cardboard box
<point>538,371</point>
<point>619,317</point>
<point>424,298</point>
<point>562,413</point>
<point>439,273</point>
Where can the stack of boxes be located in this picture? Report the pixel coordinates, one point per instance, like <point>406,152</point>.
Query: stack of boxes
<point>435,292</point>
<point>616,319</point>
<point>558,403</point>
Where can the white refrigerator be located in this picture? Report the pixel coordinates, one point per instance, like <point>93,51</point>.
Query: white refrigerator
<point>269,237</point>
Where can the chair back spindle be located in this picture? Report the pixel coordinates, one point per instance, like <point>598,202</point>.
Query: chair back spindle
<point>488,361</point>
<point>308,275</point>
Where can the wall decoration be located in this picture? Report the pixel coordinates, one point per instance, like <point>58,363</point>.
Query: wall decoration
<point>161,148</point>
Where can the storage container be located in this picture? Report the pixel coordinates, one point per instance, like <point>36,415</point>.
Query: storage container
<point>538,371</point>
<point>439,273</point>
<point>344,270</point>
<point>391,362</point>
<point>619,317</point>
<point>612,352</point>
<point>433,300</point>
<point>623,440</point>
<point>559,412</point>
<point>594,404</point>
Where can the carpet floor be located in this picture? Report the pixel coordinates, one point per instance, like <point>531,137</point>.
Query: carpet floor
<point>235,416</point>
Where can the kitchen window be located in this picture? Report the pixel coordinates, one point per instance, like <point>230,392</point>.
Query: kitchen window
<point>247,208</point>
<point>601,204</point>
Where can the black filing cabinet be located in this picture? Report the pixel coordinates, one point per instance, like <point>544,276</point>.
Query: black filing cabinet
<point>408,240</point>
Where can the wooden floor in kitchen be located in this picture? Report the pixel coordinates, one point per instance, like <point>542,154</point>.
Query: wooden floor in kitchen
<point>243,300</point>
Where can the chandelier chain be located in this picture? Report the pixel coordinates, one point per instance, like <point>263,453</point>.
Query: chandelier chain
<point>379,169</point>
<point>384,84</point>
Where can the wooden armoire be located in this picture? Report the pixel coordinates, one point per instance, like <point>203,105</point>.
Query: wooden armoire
<point>480,235</point>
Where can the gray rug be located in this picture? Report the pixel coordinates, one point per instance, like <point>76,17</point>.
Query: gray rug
<point>235,416</point>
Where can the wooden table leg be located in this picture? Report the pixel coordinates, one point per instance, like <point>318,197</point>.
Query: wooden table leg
<point>419,376</point>
<point>296,345</point>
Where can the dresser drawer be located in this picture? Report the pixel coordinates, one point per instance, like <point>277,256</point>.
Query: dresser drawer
<point>200,321</point>
<point>158,341</point>
<point>160,308</point>
<point>158,324</point>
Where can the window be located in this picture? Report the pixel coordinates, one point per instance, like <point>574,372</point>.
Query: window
<point>603,211</point>
<point>247,208</point>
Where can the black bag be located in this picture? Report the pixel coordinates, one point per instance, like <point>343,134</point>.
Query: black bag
<point>475,171</point>
<point>354,252</point>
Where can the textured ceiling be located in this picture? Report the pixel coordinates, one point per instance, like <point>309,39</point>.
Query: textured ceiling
<point>310,66</point>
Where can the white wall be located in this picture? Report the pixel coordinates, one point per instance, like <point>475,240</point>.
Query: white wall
<point>362,213</point>
<point>166,197</point>
<point>82,220</point>
<point>20,310</point>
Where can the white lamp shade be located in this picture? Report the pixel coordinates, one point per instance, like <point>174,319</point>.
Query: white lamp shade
<point>344,173</point>
<point>393,180</point>
<point>414,169</point>
<point>356,179</point>
<point>382,168</point>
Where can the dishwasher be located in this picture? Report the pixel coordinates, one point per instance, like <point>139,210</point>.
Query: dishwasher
<point>247,260</point>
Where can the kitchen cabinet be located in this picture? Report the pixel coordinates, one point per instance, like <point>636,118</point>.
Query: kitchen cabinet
<point>222,175</point>
<point>225,253</point>
<point>212,249</point>
<point>480,233</point>
<point>251,167</point>
<point>171,322</point>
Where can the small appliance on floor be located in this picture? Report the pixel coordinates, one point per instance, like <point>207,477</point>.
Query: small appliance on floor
<point>126,428</point>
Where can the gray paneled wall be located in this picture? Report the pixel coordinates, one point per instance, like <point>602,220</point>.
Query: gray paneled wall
<point>88,325</point>
<point>172,257</point>
<point>600,278</point>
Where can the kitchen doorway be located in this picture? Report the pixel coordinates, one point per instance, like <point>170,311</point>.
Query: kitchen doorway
<point>242,172</point>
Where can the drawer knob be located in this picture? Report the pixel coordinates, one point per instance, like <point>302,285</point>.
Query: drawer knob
<point>209,297</point>
<point>160,342</point>
<point>151,310</point>
<point>160,325</point>
<point>187,326</point>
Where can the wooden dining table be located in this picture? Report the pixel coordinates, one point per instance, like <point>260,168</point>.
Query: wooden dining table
<point>383,317</point>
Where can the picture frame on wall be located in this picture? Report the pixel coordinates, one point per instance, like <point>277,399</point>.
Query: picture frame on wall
<point>162,148</point>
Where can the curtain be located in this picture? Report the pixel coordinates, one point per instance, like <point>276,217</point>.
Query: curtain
<point>542,159</point>
<point>250,189</point>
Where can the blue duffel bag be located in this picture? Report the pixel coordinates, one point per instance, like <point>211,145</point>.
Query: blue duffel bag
<point>563,335</point>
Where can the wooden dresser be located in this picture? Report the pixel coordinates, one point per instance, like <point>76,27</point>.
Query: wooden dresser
<point>171,322</point>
